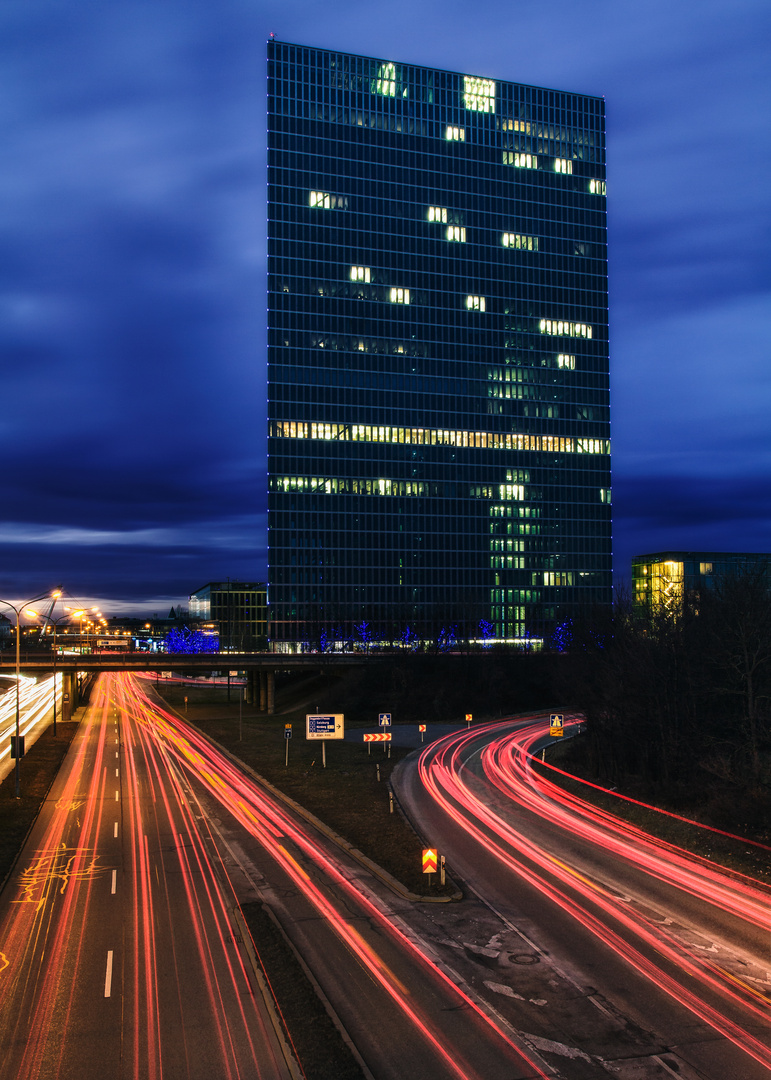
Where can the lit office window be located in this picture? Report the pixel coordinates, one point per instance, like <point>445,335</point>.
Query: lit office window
<point>551,577</point>
<point>566,360</point>
<point>563,328</point>
<point>386,80</point>
<point>455,232</point>
<point>475,303</point>
<point>426,436</point>
<point>562,165</point>
<point>455,134</point>
<point>597,187</point>
<point>360,273</point>
<point>520,242</point>
<point>437,213</point>
<point>479,94</point>
<point>400,296</point>
<point>520,161</point>
<point>516,125</point>
<point>324,200</point>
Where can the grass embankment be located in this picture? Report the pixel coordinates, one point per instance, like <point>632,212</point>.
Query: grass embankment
<point>725,851</point>
<point>309,1029</point>
<point>346,795</point>
<point>37,771</point>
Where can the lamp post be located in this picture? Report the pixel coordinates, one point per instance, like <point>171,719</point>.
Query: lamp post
<point>17,610</point>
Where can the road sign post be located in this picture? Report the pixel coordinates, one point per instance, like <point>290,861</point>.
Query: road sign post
<point>468,719</point>
<point>384,719</point>
<point>556,724</point>
<point>287,737</point>
<point>326,727</point>
<point>421,729</point>
<point>429,861</point>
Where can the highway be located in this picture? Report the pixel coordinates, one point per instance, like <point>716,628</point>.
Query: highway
<point>399,1005</point>
<point>117,940</point>
<point>581,951</point>
<point>669,952</point>
<point>117,951</point>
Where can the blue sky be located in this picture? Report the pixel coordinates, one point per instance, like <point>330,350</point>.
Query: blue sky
<point>132,276</point>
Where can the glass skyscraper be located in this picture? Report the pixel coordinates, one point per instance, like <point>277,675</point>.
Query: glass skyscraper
<point>439,426</point>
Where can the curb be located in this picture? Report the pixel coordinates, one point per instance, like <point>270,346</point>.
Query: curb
<point>291,1063</point>
<point>328,1006</point>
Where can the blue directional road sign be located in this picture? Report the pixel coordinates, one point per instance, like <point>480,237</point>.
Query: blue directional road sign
<point>384,719</point>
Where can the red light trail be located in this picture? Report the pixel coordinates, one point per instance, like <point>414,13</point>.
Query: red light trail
<point>718,997</point>
<point>102,894</point>
<point>268,821</point>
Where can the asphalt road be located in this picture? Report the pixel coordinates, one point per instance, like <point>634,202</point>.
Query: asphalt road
<point>117,950</point>
<point>118,956</point>
<point>399,1005</point>
<point>645,963</point>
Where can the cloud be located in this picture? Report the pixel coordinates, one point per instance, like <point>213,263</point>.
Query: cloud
<point>684,513</point>
<point>693,392</point>
<point>235,533</point>
<point>132,258</point>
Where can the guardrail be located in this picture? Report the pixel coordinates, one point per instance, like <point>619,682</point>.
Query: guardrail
<point>43,661</point>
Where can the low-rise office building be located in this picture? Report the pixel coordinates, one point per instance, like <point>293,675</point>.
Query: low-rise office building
<point>238,608</point>
<point>663,581</point>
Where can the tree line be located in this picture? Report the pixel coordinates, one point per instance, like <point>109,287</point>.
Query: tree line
<point>679,699</point>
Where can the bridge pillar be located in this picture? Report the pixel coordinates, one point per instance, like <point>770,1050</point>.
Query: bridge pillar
<point>263,692</point>
<point>271,695</point>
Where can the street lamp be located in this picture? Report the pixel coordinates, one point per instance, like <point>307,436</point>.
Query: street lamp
<point>55,594</point>
<point>69,614</point>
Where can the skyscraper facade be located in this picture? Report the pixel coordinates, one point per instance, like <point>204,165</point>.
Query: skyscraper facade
<point>438,354</point>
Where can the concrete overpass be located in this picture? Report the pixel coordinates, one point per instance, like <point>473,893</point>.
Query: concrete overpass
<point>260,668</point>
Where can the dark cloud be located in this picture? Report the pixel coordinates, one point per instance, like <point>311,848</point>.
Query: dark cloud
<point>132,207</point>
<point>683,513</point>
